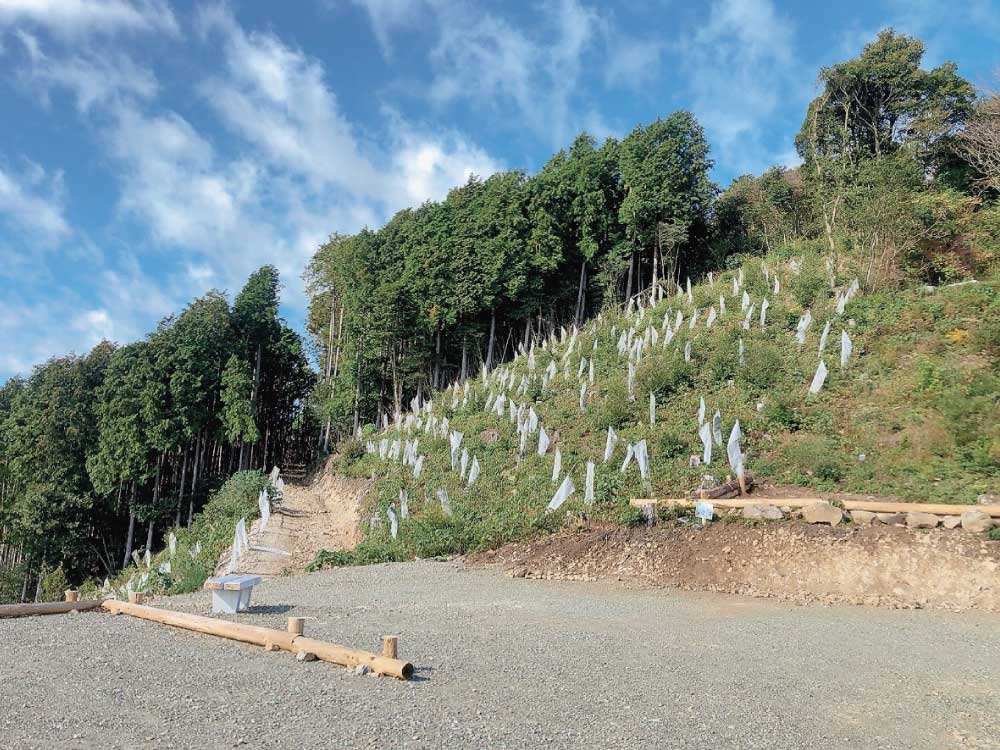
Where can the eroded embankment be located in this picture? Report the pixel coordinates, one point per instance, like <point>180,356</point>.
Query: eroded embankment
<point>878,565</point>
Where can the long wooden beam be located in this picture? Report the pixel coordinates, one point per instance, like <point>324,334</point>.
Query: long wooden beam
<point>267,637</point>
<point>937,509</point>
<point>47,608</point>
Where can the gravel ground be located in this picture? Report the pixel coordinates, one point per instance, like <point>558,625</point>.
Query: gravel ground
<point>509,663</point>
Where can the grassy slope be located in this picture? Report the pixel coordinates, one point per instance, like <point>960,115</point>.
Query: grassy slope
<point>918,399</point>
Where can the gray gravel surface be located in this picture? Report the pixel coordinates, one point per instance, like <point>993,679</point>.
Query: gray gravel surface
<point>508,663</point>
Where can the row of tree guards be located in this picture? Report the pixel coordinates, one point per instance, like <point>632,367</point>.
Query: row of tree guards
<point>292,639</point>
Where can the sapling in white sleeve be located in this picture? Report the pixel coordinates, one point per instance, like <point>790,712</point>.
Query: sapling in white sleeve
<point>846,347</point>
<point>705,433</point>
<point>819,378</point>
<point>609,444</point>
<point>557,465</point>
<point>473,471</point>
<point>562,494</point>
<point>588,496</point>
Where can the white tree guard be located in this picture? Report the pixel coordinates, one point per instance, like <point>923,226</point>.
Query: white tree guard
<point>418,466</point>
<point>473,471</point>
<point>588,495</point>
<point>705,433</point>
<point>557,466</point>
<point>652,408</point>
<point>629,455</point>
<point>711,317</point>
<point>763,313</point>
<point>823,336</point>
<point>442,495</point>
<point>464,463</point>
<point>583,396</point>
<point>393,521</point>
<point>846,347</point>
<point>701,410</point>
<point>717,427</point>
<point>745,300</point>
<point>687,351</point>
<point>562,494</point>
<point>819,378</point>
<point>609,444</point>
<point>733,451</point>
<point>543,441</point>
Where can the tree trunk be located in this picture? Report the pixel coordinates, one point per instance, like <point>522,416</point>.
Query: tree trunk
<point>578,314</point>
<point>149,537</point>
<point>180,498</point>
<point>199,451</point>
<point>131,528</point>
<point>465,359</point>
<point>493,330</point>
<point>628,284</point>
<point>27,580</point>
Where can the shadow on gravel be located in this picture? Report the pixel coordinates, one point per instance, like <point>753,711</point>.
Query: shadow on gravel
<point>267,609</point>
<point>421,674</point>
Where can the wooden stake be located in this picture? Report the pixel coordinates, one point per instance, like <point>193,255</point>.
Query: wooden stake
<point>135,597</point>
<point>296,625</point>
<point>72,595</point>
<point>390,646</point>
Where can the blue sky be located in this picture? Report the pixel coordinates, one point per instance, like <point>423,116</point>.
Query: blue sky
<point>151,150</point>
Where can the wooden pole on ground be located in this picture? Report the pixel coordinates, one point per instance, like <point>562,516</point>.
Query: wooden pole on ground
<point>390,646</point>
<point>47,608</point>
<point>296,625</point>
<point>331,652</point>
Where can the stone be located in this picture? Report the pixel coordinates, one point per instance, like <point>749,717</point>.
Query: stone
<point>362,669</point>
<point>921,520</point>
<point>488,437</point>
<point>951,522</point>
<point>988,498</point>
<point>863,517</point>
<point>305,656</point>
<point>976,520</point>
<point>822,512</point>
<point>762,512</point>
<point>891,519</point>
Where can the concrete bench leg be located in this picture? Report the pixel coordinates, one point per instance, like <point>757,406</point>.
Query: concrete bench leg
<point>245,599</point>
<point>226,602</point>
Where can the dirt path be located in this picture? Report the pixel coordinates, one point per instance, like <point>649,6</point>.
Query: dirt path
<point>316,514</point>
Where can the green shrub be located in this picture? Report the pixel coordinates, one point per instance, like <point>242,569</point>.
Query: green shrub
<point>53,586</point>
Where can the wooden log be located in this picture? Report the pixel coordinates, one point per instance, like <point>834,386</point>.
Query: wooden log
<point>937,509</point>
<point>47,608</point>
<point>390,646</point>
<point>331,652</point>
<point>350,657</point>
<point>236,631</point>
<point>296,625</point>
<point>72,595</point>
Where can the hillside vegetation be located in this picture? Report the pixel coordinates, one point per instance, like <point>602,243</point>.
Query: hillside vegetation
<point>913,414</point>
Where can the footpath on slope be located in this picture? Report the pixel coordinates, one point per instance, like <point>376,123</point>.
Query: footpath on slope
<point>315,513</point>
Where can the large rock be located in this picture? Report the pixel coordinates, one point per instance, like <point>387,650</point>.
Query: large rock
<point>951,522</point>
<point>762,512</point>
<point>863,517</point>
<point>822,512</point>
<point>921,520</point>
<point>891,519</point>
<point>976,520</point>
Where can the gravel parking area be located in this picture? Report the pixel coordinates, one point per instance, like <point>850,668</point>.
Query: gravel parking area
<point>509,663</point>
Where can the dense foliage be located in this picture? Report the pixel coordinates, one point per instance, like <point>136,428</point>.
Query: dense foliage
<point>93,446</point>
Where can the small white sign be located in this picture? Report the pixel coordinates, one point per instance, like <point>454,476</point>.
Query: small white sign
<point>704,511</point>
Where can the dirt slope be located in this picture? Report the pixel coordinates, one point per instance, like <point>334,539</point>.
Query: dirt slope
<point>877,565</point>
<point>317,513</point>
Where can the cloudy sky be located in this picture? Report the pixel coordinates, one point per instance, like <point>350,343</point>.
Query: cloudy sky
<point>151,150</point>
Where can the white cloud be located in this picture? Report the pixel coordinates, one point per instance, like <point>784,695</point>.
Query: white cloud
<point>73,18</point>
<point>33,202</point>
<point>92,78</point>
<point>483,57</point>
<point>742,69</point>
<point>386,16</point>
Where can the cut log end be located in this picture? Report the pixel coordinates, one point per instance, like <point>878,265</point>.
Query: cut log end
<point>390,646</point>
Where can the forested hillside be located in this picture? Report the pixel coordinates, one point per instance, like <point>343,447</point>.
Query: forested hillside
<point>896,174</point>
<point>897,190</point>
<point>99,452</point>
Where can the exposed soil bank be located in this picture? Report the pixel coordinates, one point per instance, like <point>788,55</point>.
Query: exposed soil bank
<point>877,565</point>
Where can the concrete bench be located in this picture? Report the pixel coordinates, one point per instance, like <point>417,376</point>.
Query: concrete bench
<point>231,593</point>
